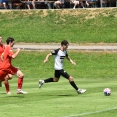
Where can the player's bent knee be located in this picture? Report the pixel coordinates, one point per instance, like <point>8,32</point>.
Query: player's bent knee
<point>56,80</point>
<point>9,76</point>
<point>71,79</point>
<point>20,74</point>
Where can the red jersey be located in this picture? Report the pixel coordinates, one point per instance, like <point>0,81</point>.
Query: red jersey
<point>2,47</point>
<point>6,66</point>
<point>7,58</point>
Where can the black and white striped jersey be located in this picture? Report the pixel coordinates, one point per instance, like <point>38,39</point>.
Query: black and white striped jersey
<point>59,58</point>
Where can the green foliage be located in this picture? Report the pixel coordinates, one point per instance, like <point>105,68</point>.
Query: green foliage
<point>43,26</point>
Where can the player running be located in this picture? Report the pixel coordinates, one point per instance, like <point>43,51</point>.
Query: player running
<point>1,51</point>
<point>7,68</point>
<point>60,54</point>
<point>9,76</point>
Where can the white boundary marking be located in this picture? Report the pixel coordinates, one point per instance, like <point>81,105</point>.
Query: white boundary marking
<point>89,113</point>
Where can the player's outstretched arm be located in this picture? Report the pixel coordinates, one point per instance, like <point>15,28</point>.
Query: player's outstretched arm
<point>47,57</point>
<point>16,53</point>
<point>70,60</point>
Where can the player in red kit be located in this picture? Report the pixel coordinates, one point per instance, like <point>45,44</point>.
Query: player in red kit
<point>6,83</point>
<point>1,51</point>
<point>7,68</point>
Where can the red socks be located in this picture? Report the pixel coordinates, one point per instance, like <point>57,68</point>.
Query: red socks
<point>6,83</point>
<point>20,82</point>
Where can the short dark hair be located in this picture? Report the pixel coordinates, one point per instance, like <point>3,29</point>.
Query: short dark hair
<point>9,39</point>
<point>65,42</point>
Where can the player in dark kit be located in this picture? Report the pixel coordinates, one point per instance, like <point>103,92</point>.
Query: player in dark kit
<point>60,54</point>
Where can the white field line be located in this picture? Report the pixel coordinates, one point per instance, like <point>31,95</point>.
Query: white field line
<point>89,113</point>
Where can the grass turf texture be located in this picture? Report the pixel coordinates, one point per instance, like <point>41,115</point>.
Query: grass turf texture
<point>94,71</point>
<point>43,26</point>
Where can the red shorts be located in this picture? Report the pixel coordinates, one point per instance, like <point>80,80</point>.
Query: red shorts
<point>3,73</point>
<point>12,70</point>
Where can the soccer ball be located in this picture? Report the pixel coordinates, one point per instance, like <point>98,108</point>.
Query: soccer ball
<point>107,91</point>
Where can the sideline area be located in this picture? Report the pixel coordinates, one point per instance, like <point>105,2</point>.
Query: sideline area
<point>86,47</point>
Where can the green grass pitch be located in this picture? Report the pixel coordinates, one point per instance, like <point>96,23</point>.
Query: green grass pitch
<point>94,71</point>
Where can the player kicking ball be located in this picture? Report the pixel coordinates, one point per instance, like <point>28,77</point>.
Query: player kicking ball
<point>60,54</point>
<point>6,67</point>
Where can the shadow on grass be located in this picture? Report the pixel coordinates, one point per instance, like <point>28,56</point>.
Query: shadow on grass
<point>2,93</point>
<point>61,95</point>
<point>16,96</point>
<point>12,96</point>
<point>64,95</point>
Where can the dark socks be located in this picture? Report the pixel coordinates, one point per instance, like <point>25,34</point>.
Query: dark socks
<point>74,85</point>
<point>49,80</point>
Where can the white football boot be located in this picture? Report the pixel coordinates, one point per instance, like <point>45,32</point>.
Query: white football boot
<point>9,93</point>
<point>80,91</point>
<point>19,91</point>
<point>41,82</point>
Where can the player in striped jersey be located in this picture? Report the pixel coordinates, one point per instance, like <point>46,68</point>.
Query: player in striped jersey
<point>60,54</point>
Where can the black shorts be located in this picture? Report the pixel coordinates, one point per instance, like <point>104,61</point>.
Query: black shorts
<point>59,73</point>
